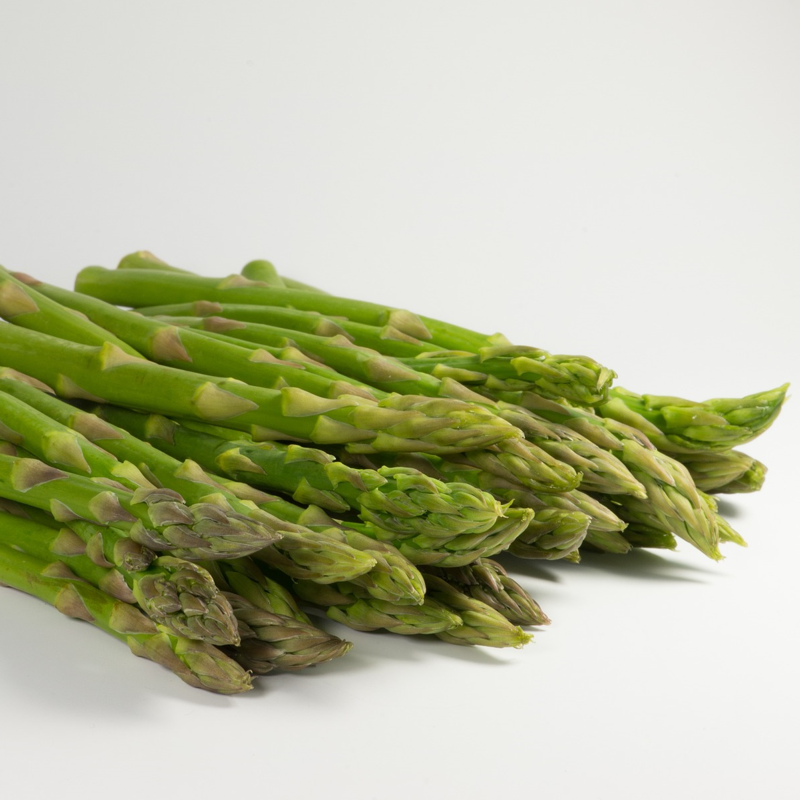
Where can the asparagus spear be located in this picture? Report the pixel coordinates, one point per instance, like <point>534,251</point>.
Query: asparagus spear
<point>726,472</point>
<point>107,374</point>
<point>24,306</point>
<point>271,641</point>
<point>175,593</point>
<point>399,500</point>
<point>347,605</point>
<point>148,287</point>
<point>481,624</point>
<point>197,663</point>
<point>678,426</point>
<point>489,582</point>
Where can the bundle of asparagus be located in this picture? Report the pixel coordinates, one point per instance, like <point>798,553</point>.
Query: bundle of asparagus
<point>208,474</point>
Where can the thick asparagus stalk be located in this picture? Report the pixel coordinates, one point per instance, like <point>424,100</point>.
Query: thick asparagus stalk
<point>175,593</point>
<point>489,582</point>
<point>481,624</point>
<point>197,663</point>
<point>678,426</point>
<point>271,641</point>
<point>399,500</point>
<point>363,613</point>
<point>24,306</point>
<point>725,472</point>
<point>107,374</point>
<point>155,518</point>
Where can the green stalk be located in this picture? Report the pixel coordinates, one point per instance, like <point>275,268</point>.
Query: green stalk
<point>174,593</point>
<point>725,472</point>
<point>24,306</point>
<point>197,663</point>
<point>489,582</point>
<point>187,349</point>
<point>106,374</point>
<point>150,287</point>
<point>155,518</point>
<point>399,500</point>
<point>271,641</point>
<point>678,426</point>
<point>481,624</point>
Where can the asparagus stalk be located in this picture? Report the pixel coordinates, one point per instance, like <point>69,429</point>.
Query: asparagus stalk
<point>398,500</point>
<point>489,582</point>
<point>307,554</point>
<point>726,472</point>
<point>148,287</point>
<point>197,663</point>
<point>481,624</point>
<point>347,605</point>
<point>271,641</point>
<point>679,426</point>
<point>22,305</point>
<point>106,374</point>
<point>187,349</point>
<point>175,593</point>
<point>155,518</point>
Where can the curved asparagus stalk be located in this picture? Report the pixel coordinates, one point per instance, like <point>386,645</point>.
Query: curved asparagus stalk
<point>155,518</point>
<point>678,426</point>
<point>725,472</point>
<point>481,624</point>
<point>175,593</point>
<point>197,663</point>
<point>399,500</point>
<point>271,641</point>
<point>109,375</point>
<point>489,582</point>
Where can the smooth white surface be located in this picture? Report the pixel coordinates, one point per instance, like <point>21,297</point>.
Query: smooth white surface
<point>620,179</point>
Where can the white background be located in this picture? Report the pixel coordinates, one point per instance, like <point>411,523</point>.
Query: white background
<point>620,179</point>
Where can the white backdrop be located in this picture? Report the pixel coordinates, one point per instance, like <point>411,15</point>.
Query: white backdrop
<point>620,179</point>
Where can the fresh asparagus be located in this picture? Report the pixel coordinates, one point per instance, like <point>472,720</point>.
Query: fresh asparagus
<point>271,641</point>
<point>175,593</point>
<point>676,425</point>
<point>197,663</point>
<point>481,623</point>
<point>725,472</point>
<point>400,500</point>
<point>489,582</point>
<point>106,374</point>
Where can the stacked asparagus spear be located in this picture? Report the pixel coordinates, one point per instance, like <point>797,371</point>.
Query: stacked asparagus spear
<point>207,474</point>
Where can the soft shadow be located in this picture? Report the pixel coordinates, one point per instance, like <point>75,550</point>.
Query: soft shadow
<point>529,567</point>
<point>728,509</point>
<point>643,565</point>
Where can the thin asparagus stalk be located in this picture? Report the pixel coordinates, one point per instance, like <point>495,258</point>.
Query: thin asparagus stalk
<point>676,425</point>
<point>136,288</point>
<point>489,582</point>
<point>197,663</point>
<point>109,375</point>
<point>175,593</point>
